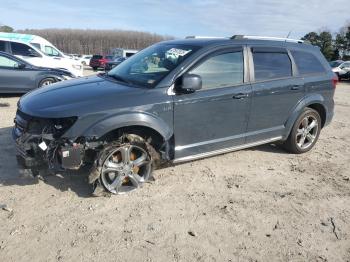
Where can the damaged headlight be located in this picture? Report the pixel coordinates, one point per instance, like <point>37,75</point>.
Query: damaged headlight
<point>42,126</point>
<point>61,125</point>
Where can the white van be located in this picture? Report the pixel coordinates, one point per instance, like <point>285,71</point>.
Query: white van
<point>38,51</point>
<point>126,53</point>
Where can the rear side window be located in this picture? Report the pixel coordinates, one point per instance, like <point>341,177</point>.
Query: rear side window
<point>222,70</point>
<point>22,49</point>
<point>96,57</point>
<point>307,63</point>
<point>2,46</point>
<point>271,65</point>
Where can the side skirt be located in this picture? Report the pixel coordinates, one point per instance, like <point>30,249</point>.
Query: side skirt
<point>225,150</point>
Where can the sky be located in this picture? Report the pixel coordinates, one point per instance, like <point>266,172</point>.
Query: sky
<point>181,18</point>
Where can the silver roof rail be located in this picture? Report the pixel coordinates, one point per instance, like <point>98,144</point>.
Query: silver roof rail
<point>203,37</point>
<point>253,37</point>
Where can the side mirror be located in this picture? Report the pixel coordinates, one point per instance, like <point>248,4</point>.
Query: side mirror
<point>190,83</point>
<point>21,66</point>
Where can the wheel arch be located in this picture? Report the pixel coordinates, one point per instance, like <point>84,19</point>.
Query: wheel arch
<point>314,101</point>
<point>139,123</point>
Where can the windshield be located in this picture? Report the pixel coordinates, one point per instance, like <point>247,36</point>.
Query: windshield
<point>50,51</point>
<point>335,63</point>
<point>152,64</point>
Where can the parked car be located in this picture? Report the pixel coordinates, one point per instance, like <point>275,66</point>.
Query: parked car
<point>121,52</point>
<point>178,101</point>
<point>99,61</point>
<point>19,76</point>
<point>85,59</point>
<point>111,64</point>
<point>39,52</point>
<point>341,68</point>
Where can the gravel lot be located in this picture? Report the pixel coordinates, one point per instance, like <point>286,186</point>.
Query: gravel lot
<point>259,204</point>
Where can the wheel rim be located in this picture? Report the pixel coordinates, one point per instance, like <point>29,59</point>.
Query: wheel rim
<point>46,82</point>
<point>307,132</point>
<point>125,169</point>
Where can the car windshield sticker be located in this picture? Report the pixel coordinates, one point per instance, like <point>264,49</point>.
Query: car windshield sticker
<point>177,52</point>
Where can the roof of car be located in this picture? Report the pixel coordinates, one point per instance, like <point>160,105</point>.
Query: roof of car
<point>222,41</point>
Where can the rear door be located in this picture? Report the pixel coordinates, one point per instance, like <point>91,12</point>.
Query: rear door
<point>276,92</point>
<point>215,117</point>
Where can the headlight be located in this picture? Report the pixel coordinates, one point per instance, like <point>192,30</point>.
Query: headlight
<point>65,77</point>
<point>77,66</point>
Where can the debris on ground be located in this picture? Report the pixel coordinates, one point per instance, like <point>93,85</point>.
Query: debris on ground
<point>191,233</point>
<point>5,208</point>
<point>334,228</point>
<point>4,104</point>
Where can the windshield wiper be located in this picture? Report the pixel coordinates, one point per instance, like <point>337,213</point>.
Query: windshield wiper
<point>119,78</point>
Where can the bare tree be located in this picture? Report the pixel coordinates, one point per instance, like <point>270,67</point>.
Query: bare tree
<point>90,41</point>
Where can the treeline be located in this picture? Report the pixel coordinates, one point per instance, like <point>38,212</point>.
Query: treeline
<point>79,41</point>
<point>333,46</point>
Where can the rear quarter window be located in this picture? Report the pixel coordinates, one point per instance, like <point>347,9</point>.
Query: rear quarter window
<point>307,63</point>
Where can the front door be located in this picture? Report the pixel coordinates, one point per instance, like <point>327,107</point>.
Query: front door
<point>12,78</point>
<point>215,117</point>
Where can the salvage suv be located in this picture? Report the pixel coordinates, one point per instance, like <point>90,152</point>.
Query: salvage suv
<point>177,101</point>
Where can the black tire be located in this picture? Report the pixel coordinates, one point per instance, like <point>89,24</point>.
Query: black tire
<point>46,81</point>
<point>83,63</point>
<point>294,142</point>
<point>97,176</point>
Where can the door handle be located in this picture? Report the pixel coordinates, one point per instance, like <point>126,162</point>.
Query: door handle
<point>295,87</point>
<point>240,96</point>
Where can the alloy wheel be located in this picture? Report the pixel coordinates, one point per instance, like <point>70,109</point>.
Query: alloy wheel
<point>125,169</point>
<point>307,132</point>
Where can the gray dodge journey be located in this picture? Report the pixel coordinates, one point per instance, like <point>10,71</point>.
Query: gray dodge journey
<point>177,101</point>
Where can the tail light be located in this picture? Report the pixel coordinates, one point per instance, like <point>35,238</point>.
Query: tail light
<point>102,61</point>
<point>335,81</point>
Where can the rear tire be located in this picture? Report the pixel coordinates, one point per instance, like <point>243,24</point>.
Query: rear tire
<point>305,132</point>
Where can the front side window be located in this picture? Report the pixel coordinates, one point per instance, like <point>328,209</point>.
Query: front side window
<point>22,50</point>
<point>149,66</point>
<point>50,51</point>
<point>2,46</point>
<point>221,70</point>
<point>7,62</point>
<point>271,65</point>
<point>307,63</point>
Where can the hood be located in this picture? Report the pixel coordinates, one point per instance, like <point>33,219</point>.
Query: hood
<point>76,97</point>
<point>54,70</point>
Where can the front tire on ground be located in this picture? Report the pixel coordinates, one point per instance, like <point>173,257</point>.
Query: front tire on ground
<point>46,82</point>
<point>123,166</point>
<point>305,132</point>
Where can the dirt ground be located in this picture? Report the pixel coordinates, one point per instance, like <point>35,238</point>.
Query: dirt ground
<point>259,204</point>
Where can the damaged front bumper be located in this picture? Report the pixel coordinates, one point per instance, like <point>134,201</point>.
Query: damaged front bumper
<point>40,143</point>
